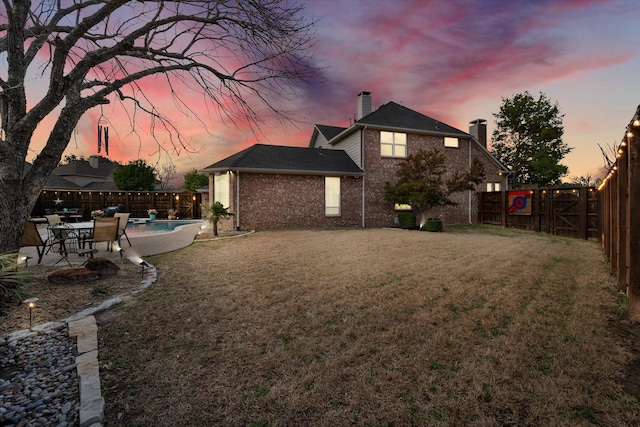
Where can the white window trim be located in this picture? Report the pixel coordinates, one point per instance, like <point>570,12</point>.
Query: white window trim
<point>332,202</point>
<point>393,144</point>
<point>221,189</point>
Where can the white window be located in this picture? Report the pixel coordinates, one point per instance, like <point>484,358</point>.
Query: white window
<point>332,196</point>
<point>402,207</point>
<point>450,142</point>
<point>393,144</point>
<point>493,186</point>
<point>221,189</point>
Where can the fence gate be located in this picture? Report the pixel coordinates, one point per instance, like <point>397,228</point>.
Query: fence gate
<point>570,212</point>
<point>566,219</point>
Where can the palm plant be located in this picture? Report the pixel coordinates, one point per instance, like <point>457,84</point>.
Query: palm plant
<point>214,213</point>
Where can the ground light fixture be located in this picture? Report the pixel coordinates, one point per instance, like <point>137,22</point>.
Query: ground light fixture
<point>143,265</point>
<point>30,303</point>
<point>24,260</point>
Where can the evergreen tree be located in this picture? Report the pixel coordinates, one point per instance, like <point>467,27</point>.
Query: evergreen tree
<point>194,180</point>
<point>136,175</point>
<point>528,140</point>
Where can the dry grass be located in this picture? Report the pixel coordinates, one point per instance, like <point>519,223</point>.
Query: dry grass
<point>474,326</point>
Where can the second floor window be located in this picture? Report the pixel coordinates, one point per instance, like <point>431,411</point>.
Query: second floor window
<point>393,144</point>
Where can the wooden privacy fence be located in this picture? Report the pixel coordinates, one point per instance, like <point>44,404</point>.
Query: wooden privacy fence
<point>187,204</point>
<point>620,213</point>
<point>568,211</point>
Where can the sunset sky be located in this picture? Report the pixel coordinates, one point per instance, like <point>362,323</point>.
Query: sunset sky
<point>451,60</point>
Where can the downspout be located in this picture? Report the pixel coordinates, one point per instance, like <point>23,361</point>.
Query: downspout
<point>470,192</point>
<point>363,176</point>
<point>237,200</point>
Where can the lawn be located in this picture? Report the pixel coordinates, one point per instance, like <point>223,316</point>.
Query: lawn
<point>372,327</point>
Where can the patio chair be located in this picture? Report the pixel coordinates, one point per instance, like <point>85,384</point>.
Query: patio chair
<point>76,214</point>
<point>122,227</point>
<point>31,237</point>
<point>53,219</point>
<point>104,230</point>
<point>65,237</point>
<point>111,211</point>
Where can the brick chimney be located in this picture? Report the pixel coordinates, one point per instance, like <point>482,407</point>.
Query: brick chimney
<point>94,162</point>
<point>478,129</point>
<point>364,104</point>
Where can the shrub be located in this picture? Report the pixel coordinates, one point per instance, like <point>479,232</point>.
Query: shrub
<point>407,220</point>
<point>13,283</point>
<point>433,224</point>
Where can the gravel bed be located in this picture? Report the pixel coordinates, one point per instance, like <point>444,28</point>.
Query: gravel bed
<point>38,381</point>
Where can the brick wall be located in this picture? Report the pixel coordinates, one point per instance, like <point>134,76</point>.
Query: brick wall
<point>272,201</point>
<point>379,170</point>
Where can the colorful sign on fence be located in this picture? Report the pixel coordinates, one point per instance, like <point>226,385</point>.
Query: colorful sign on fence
<point>520,202</point>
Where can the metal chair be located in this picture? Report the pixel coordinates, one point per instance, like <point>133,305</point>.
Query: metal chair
<point>122,227</point>
<point>104,230</point>
<point>65,238</point>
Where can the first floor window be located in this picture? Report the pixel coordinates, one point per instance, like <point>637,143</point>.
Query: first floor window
<point>493,186</point>
<point>402,207</point>
<point>332,195</point>
<point>221,189</point>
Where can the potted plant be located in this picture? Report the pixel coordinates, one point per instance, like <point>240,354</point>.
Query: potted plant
<point>98,213</point>
<point>152,213</point>
<point>172,213</point>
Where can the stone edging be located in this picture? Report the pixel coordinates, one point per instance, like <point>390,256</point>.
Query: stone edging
<point>225,237</point>
<point>83,326</point>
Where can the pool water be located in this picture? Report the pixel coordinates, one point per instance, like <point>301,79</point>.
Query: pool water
<point>157,227</point>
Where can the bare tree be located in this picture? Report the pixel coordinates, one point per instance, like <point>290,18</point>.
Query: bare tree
<point>238,54</point>
<point>166,172</point>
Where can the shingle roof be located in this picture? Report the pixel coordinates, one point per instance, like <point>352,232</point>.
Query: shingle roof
<point>276,158</point>
<point>397,116</point>
<point>329,131</point>
<point>83,168</point>
<point>54,181</point>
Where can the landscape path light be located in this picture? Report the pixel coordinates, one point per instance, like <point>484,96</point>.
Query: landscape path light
<point>31,305</point>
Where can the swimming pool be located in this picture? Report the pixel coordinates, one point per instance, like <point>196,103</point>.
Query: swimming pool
<point>143,228</point>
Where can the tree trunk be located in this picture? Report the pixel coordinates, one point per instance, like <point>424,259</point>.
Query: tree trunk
<point>215,227</point>
<point>16,205</point>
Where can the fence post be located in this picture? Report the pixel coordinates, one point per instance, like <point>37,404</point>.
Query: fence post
<point>505,206</point>
<point>613,209</point>
<point>633,291</point>
<point>623,183</point>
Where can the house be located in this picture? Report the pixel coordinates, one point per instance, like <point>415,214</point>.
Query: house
<point>339,179</point>
<point>93,174</point>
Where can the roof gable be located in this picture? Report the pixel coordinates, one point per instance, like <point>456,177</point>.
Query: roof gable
<point>283,159</point>
<point>329,132</point>
<point>393,115</point>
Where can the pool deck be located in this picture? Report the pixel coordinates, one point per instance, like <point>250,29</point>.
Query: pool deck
<point>141,246</point>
